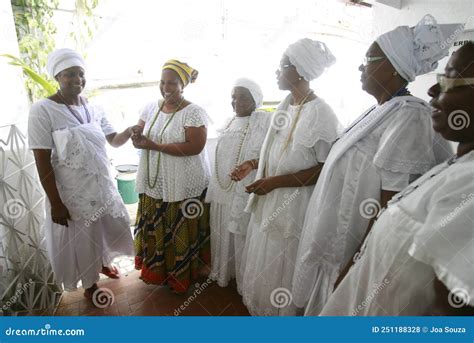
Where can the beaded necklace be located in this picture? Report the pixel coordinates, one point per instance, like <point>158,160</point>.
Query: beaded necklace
<point>160,138</point>
<point>238,156</point>
<point>295,121</point>
<point>293,126</point>
<point>74,112</point>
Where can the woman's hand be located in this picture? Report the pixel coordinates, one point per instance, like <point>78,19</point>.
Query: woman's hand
<point>141,142</point>
<point>60,214</point>
<point>135,130</point>
<point>241,171</point>
<point>262,186</point>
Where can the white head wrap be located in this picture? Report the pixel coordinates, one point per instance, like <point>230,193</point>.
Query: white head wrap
<point>416,51</point>
<point>253,88</point>
<point>62,59</point>
<point>310,58</point>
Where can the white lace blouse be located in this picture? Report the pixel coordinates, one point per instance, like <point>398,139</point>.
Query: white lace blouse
<point>283,209</point>
<point>397,150</point>
<point>426,235</point>
<point>177,177</point>
<point>252,130</point>
<point>79,158</point>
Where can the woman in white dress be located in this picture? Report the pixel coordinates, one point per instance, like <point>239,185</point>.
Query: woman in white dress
<point>86,223</point>
<point>240,140</point>
<point>301,134</point>
<point>172,233</point>
<point>418,258</point>
<point>389,146</point>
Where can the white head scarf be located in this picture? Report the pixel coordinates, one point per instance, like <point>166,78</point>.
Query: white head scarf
<point>62,59</point>
<point>416,51</point>
<point>310,58</point>
<point>253,88</point>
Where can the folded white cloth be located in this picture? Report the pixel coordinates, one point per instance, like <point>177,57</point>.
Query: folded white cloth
<point>62,59</point>
<point>61,138</point>
<point>253,88</point>
<point>310,58</point>
<point>417,50</point>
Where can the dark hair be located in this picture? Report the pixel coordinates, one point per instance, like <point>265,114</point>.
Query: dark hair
<point>469,46</point>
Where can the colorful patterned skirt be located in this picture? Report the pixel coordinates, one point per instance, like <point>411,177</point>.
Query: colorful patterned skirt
<point>172,241</point>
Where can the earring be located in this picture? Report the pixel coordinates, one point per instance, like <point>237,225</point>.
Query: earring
<point>395,73</point>
<point>300,78</point>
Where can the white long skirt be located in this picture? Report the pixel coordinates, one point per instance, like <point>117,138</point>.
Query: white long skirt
<point>268,265</point>
<point>226,248</point>
<point>78,252</point>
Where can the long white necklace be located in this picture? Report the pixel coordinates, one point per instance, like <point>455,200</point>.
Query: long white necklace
<point>290,135</point>
<point>228,187</point>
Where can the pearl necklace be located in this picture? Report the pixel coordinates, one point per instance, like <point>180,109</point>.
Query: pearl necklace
<point>290,135</point>
<point>228,187</point>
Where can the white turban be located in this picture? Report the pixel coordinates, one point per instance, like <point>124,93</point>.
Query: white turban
<point>310,58</point>
<point>416,51</point>
<point>253,88</point>
<point>62,59</point>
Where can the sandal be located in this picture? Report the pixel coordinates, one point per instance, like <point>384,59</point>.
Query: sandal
<point>112,272</point>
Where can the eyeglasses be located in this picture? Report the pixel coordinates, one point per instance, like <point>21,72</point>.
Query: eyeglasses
<point>371,59</point>
<point>283,67</point>
<point>446,83</point>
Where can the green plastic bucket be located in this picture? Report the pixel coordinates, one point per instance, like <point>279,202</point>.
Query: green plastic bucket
<point>126,182</point>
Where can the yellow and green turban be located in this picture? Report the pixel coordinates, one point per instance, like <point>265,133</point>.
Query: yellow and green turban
<point>185,72</point>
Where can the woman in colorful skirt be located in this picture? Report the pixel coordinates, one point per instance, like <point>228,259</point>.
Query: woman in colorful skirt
<point>172,233</point>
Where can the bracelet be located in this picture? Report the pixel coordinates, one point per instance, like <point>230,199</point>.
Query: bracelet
<point>254,164</point>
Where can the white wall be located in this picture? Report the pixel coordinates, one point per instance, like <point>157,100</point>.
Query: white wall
<point>445,11</point>
<point>22,250</point>
<point>13,95</point>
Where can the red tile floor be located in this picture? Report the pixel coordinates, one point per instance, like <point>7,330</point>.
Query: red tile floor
<point>132,297</point>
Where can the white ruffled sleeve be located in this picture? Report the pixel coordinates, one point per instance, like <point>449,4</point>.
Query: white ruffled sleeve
<point>39,128</point>
<point>446,240</point>
<point>318,130</point>
<point>195,117</point>
<point>105,125</point>
<point>406,145</point>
